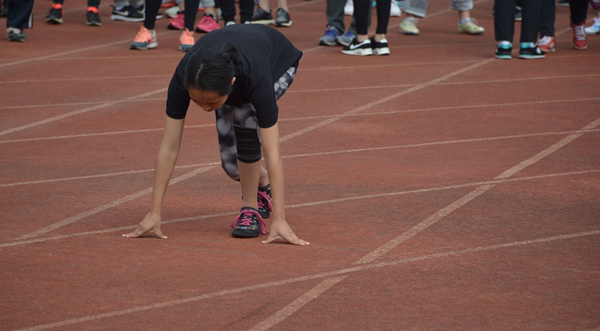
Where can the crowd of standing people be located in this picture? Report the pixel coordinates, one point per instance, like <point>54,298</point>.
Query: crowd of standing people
<point>536,17</point>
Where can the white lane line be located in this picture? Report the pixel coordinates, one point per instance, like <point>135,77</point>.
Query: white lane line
<point>81,79</point>
<point>310,204</point>
<point>358,150</point>
<point>77,112</point>
<point>106,206</point>
<point>313,117</point>
<point>335,273</point>
<point>79,50</point>
<point>297,304</point>
<point>51,105</point>
<point>377,253</point>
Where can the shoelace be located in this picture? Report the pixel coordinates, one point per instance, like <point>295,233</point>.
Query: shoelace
<point>262,197</point>
<point>579,32</point>
<point>245,218</point>
<point>545,41</point>
<point>140,37</point>
<point>332,33</point>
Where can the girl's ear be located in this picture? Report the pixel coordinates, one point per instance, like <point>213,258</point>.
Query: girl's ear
<point>232,81</point>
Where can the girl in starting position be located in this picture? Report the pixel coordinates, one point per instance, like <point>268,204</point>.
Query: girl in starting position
<point>239,72</point>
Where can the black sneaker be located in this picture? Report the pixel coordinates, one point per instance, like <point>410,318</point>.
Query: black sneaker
<point>261,16</point>
<point>518,14</point>
<point>16,35</point>
<point>504,51</point>
<point>126,14</point>
<point>248,224</point>
<point>563,3</point>
<point>142,10</point>
<point>531,53</point>
<point>54,15</point>
<point>92,18</point>
<point>380,47</point>
<point>356,48</point>
<point>263,197</point>
<point>283,18</point>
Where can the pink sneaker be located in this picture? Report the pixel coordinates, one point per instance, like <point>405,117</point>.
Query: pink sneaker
<point>144,40</point>
<point>547,44</point>
<point>186,40</point>
<point>207,24</point>
<point>177,22</point>
<point>579,37</point>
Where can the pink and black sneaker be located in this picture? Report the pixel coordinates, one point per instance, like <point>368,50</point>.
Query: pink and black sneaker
<point>248,224</point>
<point>263,198</point>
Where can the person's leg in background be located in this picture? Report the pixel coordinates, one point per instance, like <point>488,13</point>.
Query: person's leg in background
<point>466,24</point>
<point>414,10</point>
<point>547,40</point>
<point>19,18</point>
<point>578,16</point>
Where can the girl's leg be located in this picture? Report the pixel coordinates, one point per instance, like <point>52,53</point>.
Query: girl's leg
<point>578,11</point>
<point>190,12</point>
<point>246,10</point>
<point>361,12</point>
<point>530,25</point>
<point>20,15</point>
<point>504,20</point>
<point>152,7</point>
<point>547,18</point>
<point>383,17</point>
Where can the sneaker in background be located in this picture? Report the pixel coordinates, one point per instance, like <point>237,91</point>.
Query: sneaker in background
<point>579,37</point>
<point>504,50</point>
<point>167,3</point>
<point>144,40</point>
<point>186,40</point>
<point>395,9</point>
<point>345,39</point>
<point>282,18</point>
<point>248,224</point>
<point>595,28</point>
<point>177,23</point>
<point>563,3</point>
<point>55,14</point>
<point>518,14</point>
<point>469,26</point>
<point>349,8</point>
<point>547,44</point>
<point>328,38</point>
<point>262,16</point>
<point>355,48</point>
<point>126,14</point>
<point>530,51</point>
<point>92,18</point>
<point>207,24</point>
<point>142,10</point>
<point>380,47</point>
<point>409,26</point>
<point>15,34</point>
<point>172,12</point>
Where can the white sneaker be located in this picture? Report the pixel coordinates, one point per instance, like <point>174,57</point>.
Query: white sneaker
<point>395,10</point>
<point>349,8</point>
<point>172,12</point>
<point>409,26</point>
<point>594,29</point>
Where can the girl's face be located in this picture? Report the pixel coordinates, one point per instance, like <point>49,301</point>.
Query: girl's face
<point>208,100</point>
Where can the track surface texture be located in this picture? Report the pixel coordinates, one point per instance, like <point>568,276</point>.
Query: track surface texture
<point>440,188</point>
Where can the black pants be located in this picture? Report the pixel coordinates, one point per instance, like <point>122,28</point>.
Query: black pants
<point>152,7</point>
<point>547,18</point>
<point>578,11</point>
<point>504,20</point>
<point>228,10</point>
<point>20,14</point>
<point>362,12</point>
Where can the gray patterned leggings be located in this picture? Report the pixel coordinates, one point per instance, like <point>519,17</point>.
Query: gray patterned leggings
<point>231,120</point>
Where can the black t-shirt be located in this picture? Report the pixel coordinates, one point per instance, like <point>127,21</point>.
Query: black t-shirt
<point>266,55</point>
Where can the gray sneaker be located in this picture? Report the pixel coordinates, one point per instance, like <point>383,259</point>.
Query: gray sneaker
<point>328,38</point>
<point>345,39</point>
<point>283,18</point>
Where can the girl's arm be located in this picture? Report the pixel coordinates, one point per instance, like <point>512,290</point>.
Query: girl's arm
<point>165,163</point>
<point>279,229</point>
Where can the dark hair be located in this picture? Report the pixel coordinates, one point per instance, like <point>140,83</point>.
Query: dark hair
<point>212,68</point>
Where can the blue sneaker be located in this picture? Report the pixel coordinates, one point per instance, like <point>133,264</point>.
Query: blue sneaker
<point>329,37</point>
<point>346,38</point>
<point>594,29</point>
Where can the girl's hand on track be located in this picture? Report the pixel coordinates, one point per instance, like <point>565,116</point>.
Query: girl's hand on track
<point>150,223</point>
<point>281,230</point>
